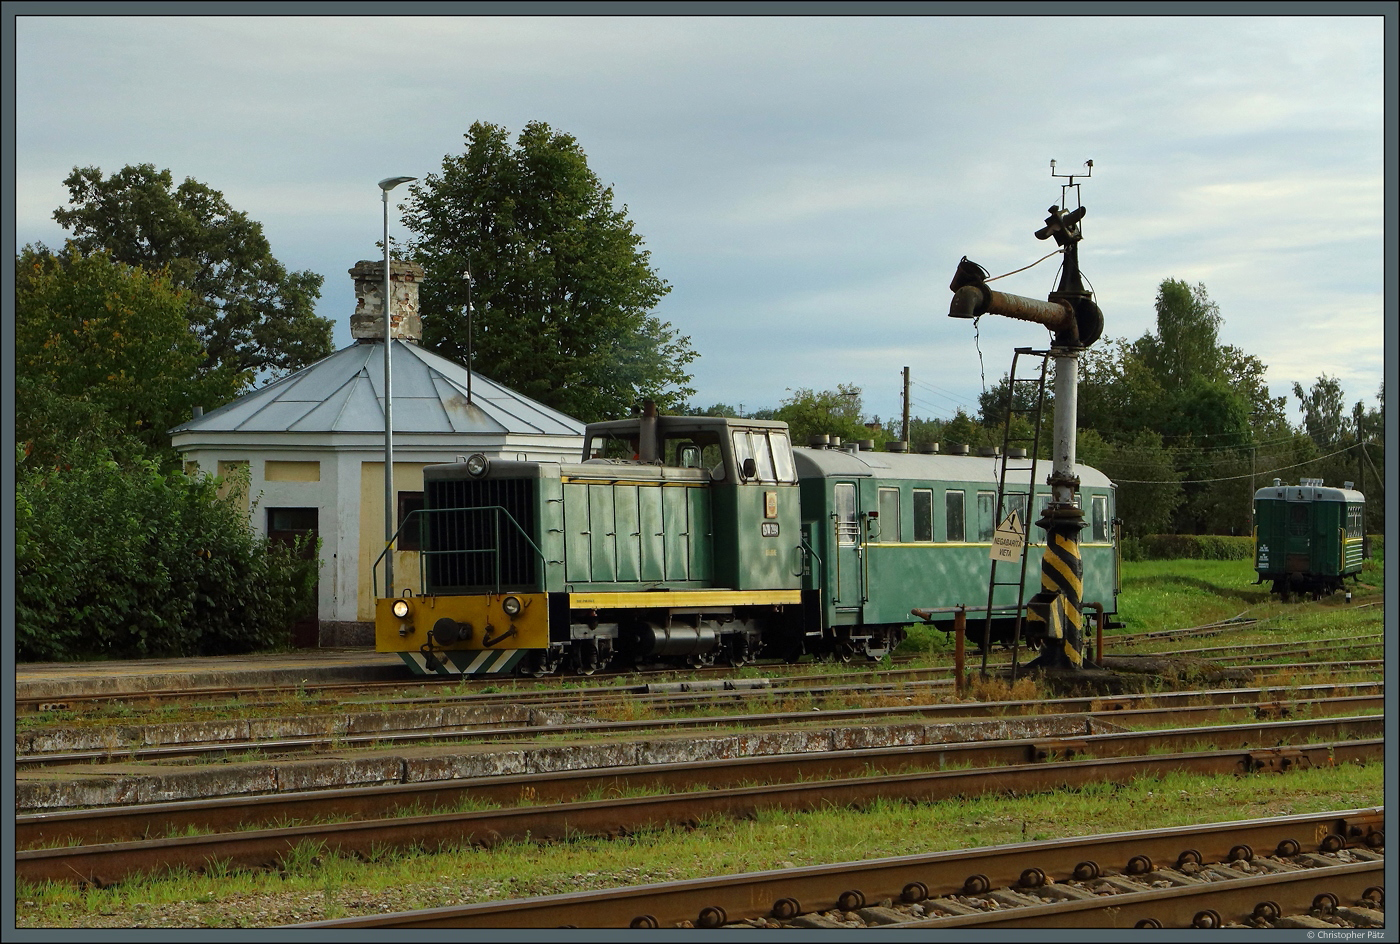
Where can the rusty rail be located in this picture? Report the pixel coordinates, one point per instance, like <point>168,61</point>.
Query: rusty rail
<point>786,893</point>
<point>1038,771</point>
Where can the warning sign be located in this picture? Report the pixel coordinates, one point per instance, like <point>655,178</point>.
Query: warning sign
<point>1009,538</point>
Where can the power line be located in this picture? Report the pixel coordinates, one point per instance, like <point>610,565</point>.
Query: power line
<point>1231,478</point>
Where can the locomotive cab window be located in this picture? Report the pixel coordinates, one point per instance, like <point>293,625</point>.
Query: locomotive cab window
<point>611,446</point>
<point>953,505</point>
<point>694,449</point>
<point>1099,513</point>
<point>923,514</point>
<point>770,451</point>
<point>782,456</point>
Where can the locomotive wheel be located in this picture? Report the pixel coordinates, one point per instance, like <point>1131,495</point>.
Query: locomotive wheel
<point>585,658</point>
<point>539,664</point>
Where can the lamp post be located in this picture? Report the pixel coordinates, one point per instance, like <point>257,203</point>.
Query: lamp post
<point>385,185</point>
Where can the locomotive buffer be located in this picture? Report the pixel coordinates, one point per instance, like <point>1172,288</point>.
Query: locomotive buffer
<point>1054,615</point>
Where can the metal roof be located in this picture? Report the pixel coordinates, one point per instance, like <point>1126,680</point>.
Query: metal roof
<point>835,463</point>
<point>344,393</point>
<point>1311,493</point>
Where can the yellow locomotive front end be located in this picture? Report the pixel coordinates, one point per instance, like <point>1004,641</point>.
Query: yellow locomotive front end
<point>460,634</point>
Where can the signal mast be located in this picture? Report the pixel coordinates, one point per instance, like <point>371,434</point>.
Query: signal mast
<point>1055,614</point>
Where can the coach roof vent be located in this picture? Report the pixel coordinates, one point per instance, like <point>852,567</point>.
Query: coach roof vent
<point>367,323</point>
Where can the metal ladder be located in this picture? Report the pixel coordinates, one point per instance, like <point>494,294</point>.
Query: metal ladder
<point>1033,442</point>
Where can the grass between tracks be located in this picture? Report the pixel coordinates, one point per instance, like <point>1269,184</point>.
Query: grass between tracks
<point>312,885</point>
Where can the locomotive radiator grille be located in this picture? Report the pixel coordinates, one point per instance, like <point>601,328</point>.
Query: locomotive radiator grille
<point>477,535</point>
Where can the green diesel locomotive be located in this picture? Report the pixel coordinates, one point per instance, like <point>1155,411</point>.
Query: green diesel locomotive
<point>1308,537</point>
<point>696,539</point>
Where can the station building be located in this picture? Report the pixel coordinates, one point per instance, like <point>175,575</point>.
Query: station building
<point>310,447</point>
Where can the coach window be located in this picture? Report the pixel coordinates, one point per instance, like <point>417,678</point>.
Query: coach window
<point>923,514</point>
<point>847,530</point>
<point>1041,503</point>
<point>1016,503</point>
<point>890,531</point>
<point>986,516</point>
<point>953,502</point>
<point>1100,515</point>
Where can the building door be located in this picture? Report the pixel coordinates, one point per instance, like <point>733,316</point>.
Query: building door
<point>285,526</point>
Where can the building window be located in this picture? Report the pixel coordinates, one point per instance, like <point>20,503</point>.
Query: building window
<point>233,480</point>
<point>410,528</point>
<point>291,519</point>
<point>923,514</point>
<point>889,515</point>
<point>276,470</point>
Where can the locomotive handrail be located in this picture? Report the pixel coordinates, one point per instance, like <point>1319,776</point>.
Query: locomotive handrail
<point>802,543</point>
<point>423,554</point>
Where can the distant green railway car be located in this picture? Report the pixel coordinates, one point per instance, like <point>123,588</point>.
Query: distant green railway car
<point>1308,537</point>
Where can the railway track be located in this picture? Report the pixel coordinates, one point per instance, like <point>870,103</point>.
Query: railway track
<point>107,845</point>
<point>1321,870</point>
<point>332,694</point>
<point>381,730</point>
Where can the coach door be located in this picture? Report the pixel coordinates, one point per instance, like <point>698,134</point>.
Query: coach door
<point>845,524</point>
<point>1298,543</point>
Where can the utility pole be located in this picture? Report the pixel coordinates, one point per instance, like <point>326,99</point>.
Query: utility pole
<point>904,430</point>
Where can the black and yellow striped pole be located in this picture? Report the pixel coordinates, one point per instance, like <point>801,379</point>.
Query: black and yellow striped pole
<point>1054,616</point>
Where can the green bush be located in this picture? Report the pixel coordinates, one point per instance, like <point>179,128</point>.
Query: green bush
<point>120,561</point>
<point>1193,547</point>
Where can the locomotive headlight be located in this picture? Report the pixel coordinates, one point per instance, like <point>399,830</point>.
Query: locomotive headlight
<point>400,609</point>
<point>511,605</point>
<point>476,464</point>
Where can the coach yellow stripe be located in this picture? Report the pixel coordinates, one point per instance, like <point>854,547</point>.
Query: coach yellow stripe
<point>671,598</point>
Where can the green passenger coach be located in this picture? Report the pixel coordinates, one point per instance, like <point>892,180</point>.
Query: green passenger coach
<point>1308,537</point>
<point>894,531</point>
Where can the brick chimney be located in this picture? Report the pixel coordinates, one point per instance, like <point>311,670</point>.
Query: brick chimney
<point>367,323</point>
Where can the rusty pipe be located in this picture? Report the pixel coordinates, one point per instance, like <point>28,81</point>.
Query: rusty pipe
<point>1098,648</point>
<point>959,650</point>
<point>973,300</point>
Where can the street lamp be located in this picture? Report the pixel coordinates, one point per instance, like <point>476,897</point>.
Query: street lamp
<point>385,185</point>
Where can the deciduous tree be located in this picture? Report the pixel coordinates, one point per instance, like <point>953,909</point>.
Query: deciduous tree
<point>252,315</point>
<point>561,287</point>
<point>104,349</point>
<point>833,412</point>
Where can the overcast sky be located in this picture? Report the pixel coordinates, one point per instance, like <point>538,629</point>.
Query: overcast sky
<point>805,184</point>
